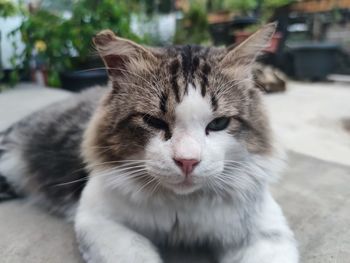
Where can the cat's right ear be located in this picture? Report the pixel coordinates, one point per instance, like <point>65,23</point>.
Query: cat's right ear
<point>120,55</point>
<point>241,57</point>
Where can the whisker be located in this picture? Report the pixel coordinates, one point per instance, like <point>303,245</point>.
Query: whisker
<point>125,162</point>
<point>118,172</point>
<point>153,179</point>
<point>116,182</point>
<point>72,182</point>
<point>155,188</point>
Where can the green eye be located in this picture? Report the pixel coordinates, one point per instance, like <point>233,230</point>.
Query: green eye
<point>218,124</point>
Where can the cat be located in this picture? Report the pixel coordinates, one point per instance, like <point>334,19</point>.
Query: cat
<point>178,151</point>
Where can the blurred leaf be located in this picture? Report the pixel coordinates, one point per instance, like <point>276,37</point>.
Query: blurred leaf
<point>67,37</point>
<point>8,8</point>
<point>193,28</point>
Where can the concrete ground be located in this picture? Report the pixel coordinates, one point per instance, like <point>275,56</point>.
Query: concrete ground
<point>314,192</point>
<point>311,118</point>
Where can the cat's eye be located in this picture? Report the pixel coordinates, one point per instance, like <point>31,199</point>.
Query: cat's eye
<point>218,124</point>
<point>155,122</point>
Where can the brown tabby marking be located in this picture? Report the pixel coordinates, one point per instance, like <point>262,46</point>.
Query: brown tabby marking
<point>149,81</point>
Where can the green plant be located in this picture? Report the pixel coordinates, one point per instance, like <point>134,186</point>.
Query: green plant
<point>215,5</point>
<point>193,28</point>
<point>55,40</point>
<point>242,6</point>
<point>91,16</point>
<point>44,30</point>
<point>7,8</point>
<point>152,6</point>
<point>246,6</point>
<point>268,7</point>
<point>276,3</point>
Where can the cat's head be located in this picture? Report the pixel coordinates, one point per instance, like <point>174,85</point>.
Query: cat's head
<point>185,118</point>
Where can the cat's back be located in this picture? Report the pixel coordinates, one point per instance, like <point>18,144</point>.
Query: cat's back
<point>41,153</point>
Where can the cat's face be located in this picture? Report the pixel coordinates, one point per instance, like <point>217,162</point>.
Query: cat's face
<point>181,118</point>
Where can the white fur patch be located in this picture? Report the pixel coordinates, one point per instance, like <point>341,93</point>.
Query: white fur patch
<point>192,116</point>
<point>108,219</point>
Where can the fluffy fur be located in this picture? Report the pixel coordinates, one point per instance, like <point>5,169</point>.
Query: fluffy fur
<point>156,113</point>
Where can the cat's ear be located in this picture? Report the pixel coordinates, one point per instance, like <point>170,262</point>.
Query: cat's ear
<point>246,53</point>
<point>119,54</point>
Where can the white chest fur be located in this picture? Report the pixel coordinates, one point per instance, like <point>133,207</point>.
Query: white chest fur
<point>188,221</point>
<point>111,223</point>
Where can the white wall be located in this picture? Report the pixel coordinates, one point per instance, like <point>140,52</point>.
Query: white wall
<point>161,26</point>
<point>6,26</point>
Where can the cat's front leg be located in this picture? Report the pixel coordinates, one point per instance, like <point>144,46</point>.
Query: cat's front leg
<point>271,241</point>
<point>101,236</point>
<point>104,241</point>
<point>265,250</point>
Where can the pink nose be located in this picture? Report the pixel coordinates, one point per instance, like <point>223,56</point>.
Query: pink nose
<point>186,165</point>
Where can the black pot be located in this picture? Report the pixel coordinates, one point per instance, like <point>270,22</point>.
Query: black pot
<point>314,61</point>
<point>82,79</point>
<point>221,33</point>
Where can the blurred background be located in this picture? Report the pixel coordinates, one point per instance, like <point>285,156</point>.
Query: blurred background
<point>305,70</point>
<point>48,41</point>
<point>47,54</point>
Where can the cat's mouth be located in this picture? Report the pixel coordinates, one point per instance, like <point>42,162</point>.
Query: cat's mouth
<point>187,182</point>
<point>186,186</point>
<point>177,182</point>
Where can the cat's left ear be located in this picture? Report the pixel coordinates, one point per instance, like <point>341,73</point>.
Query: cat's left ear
<point>121,55</point>
<point>246,53</point>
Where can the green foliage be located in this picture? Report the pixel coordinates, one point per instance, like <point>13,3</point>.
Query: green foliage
<point>243,6</point>
<point>57,39</point>
<point>7,8</point>
<point>276,3</point>
<point>61,5</point>
<point>215,5</point>
<point>193,28</point>
<point>268,7</point>
<point>91,16</point>
<point>152,6</point>
<point>232,5</point>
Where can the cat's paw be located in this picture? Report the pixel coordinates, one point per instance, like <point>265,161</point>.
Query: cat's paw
<point>145,258</point>
<point>123,258</point>
<point>134,254</point>
<point>142,252</point>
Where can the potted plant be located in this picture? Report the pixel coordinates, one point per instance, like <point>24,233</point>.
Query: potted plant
<point>88,18</point>
<point>68,54</point>
<point>218,12</point>
<point>225,15</point>
<point>242,8</point>
<point>219,19</point>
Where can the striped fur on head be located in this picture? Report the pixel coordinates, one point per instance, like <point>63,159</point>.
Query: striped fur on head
<point>150,83</point>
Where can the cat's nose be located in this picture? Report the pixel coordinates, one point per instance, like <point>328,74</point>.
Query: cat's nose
<point>186,165</point>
